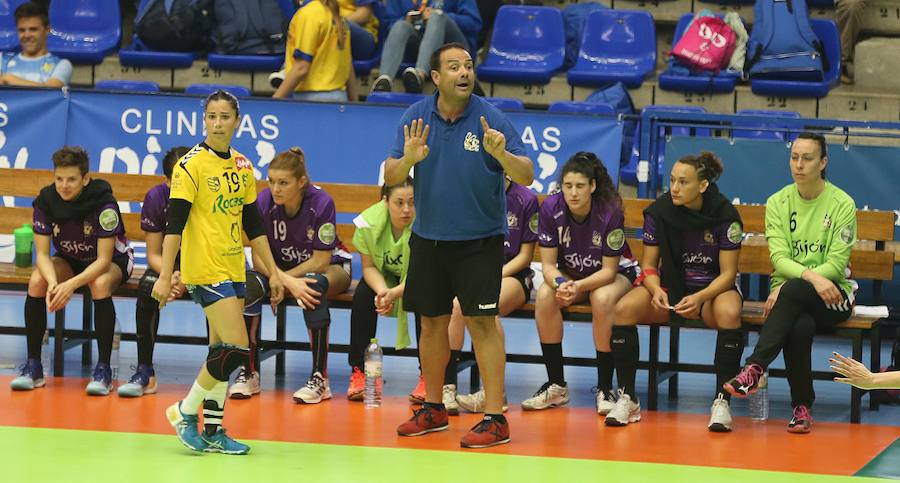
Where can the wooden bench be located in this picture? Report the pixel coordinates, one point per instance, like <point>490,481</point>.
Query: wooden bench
<point>870,261</point>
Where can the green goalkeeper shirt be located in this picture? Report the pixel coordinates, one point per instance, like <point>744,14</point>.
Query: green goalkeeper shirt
<point>811,234</point>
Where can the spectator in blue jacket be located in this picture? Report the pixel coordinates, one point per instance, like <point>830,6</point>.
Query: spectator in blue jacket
<point>418,28</point>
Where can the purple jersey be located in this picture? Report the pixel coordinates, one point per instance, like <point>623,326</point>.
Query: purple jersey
<point>153,212</point>
<point>521,219</point>
<point>700,257</point>
<point>293,239</point>
<point>77,239</point>
<point>582,246</point>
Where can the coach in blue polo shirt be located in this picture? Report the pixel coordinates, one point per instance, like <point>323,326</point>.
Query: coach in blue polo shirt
<point>461,147</point>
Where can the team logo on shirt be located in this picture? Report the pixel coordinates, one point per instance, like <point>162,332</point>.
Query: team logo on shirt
<point>326,233</point>
<point>88,229</point>
<point>109,220</point>
<point>471,143</point>
<point>214,184</point>
<point>616,239</point>
<point>310,233</point>
<point>512,220</point>
<point>533,223</point>
<point>826,223</point>
<point>708,236</point>
<point>735,232</point>
<point>847,234</point>
<point>596,238</point>
<point>47,67</point>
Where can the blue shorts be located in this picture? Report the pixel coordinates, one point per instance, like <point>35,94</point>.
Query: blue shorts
<point>206,295</point>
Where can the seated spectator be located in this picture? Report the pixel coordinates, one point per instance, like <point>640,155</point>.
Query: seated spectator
<point>849,13</point>
<point>417,30</point>
<point>317,59</point>
<point>33,66</point>
<point>363,24</point>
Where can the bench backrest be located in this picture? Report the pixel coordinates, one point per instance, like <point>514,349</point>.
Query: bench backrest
<point>868,264</point>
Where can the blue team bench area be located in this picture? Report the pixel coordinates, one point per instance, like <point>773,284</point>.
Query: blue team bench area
<point>874,265</point>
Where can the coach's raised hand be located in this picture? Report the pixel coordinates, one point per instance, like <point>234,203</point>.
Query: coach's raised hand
<point>415,141</point>
<point>494,141</point>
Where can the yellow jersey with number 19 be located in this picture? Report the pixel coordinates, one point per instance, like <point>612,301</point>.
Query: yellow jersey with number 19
<point>212,248</point>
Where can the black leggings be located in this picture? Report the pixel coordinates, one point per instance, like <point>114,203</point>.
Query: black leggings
<point>364,322</point>
<point>791,325</point>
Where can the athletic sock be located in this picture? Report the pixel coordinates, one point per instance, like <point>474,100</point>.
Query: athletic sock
<point>191,403</point>
<point>605,367</point>
<point>104,327</point>
<point>452,368</point>
<point>727,361</point>
<point>319,344</point>
<point>553,362</point>
<point>625,351</point>
<point>496,417</point>
<point>35,324</point>
<point>147,321</point>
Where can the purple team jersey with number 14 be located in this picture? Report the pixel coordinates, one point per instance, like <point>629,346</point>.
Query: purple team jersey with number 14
<point>293,239</point>
<point>582,246</point>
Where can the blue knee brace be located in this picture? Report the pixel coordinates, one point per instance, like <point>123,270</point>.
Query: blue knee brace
<point>319,317</point>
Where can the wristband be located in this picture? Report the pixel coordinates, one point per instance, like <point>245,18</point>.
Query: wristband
<point>559,281</point>
<point>644,274</point>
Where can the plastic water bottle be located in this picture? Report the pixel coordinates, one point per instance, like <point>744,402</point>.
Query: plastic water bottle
<point>114,356</point>
<point>759,400</point>
<point>45,352</point>
<point>373,365</point>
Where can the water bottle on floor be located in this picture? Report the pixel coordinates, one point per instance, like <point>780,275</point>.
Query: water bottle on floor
<point>759,400</point>
<point>373,364</point>
<point>114,356</point>
<point>45,352</point>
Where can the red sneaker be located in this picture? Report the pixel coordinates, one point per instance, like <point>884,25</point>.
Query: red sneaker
<point>357,385</point>
<point>488,432</point>
<point>418,394</point>
<point>424,420</point>
<point>801,421</point>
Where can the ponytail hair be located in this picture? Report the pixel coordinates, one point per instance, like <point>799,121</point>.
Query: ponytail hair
<point>337,21</point>
<point>293,160</point>
<point>709,167</point>
<point>588,164</point>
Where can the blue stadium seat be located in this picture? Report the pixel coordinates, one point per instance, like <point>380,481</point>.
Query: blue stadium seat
<point>84,31</point>
<point>9,40</point>
<point>617,46</point>
<point>728,2</point>
<point>827,32</point>
<point>127,85</point>
<point>581,107</point>
<point>762,134</point>
<point>506,103</point>
<point>722,82</point>
<point>207,89</point>
<point>821,4</point>
<point>628,173</point>
<point>246,63</point>
<point>393,98</point>
<point>139,55</point>
<point>528,46</point>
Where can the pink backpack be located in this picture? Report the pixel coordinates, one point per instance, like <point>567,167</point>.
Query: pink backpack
<point>707,45</point>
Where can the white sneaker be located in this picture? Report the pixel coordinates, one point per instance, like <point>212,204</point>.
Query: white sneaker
<point>624,412</point>
<point>449,399</point>
<point>548,396</point>
<point>606,401</point>
<point>276,78</point>
<point>474,403</point>
<point>720,415</point>
<point>315,391</point>
<point>246,384</point>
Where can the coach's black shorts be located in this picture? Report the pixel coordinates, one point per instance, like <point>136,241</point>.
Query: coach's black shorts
<point>470,270</point>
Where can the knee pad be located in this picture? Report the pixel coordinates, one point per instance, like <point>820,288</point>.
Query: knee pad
<point>145,285</point>
<point>223,359</point>
<point>319,317</point>
<point>257,288</point>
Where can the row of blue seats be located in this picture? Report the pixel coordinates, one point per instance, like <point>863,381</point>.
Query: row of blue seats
<point>528,46</point>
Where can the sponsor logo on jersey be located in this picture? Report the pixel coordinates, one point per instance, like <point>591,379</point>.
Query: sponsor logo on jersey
<point>326,233</point>
<point>533,223</point>
<point>109,219</point>
<point>615,240</point>
<point>735,232</point>
<point>228,205</point>
<point>577,262</point>
<point>242,163</point>
<point>802,248</point>
<point>847,234</point>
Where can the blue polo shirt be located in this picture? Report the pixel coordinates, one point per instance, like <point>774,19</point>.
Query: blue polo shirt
<point>458,188</point>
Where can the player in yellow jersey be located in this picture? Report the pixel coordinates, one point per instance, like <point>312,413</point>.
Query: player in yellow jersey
<point>213,199</point>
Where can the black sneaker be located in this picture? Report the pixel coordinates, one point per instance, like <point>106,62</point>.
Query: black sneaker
<point>411,81</point>
<point>382,84</point>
